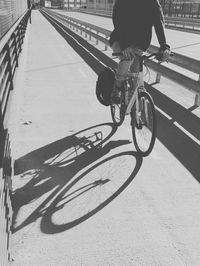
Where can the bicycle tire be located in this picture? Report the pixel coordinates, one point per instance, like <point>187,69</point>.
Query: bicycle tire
<point>118,111</point>
<point>144,131</point>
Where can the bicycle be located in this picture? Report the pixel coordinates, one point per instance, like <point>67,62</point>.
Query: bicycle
<point>140,107</point>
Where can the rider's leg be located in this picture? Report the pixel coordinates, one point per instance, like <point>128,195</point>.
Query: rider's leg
<point>121,73</point>
<point>123,68</point>
<point>120,77</point>
<point>131,66</point>
<point>134,72</point>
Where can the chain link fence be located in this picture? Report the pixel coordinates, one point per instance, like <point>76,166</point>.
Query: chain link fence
<point>10,12</point>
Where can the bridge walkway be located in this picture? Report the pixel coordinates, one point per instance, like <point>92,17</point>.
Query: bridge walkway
<point>79,204</point>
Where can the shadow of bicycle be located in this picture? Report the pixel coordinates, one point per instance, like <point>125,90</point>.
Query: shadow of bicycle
<point>73,178</point>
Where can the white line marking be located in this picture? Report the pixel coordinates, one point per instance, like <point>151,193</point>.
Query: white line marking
<point>163,113</point>
<point>187,133</point>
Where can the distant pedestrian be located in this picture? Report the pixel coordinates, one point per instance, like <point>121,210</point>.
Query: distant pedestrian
<point>30,10</point>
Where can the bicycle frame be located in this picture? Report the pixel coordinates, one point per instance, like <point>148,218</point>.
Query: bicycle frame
<point>134,98</point>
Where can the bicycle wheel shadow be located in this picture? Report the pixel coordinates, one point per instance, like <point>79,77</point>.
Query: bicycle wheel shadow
<point>81,199</point>
<point>66,171</point>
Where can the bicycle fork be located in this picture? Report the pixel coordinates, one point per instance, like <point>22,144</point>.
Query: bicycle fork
<point>142,108</point>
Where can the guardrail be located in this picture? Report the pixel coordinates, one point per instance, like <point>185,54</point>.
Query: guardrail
<point>102,35</point>
<point>172,8</point>
<point>181,23</point>
<point>187,24</point>
<point>93,11</point>
<point>10,48</point>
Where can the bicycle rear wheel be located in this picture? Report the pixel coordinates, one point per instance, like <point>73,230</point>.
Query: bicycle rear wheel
<point>118,111</point>
<point>144,124</point>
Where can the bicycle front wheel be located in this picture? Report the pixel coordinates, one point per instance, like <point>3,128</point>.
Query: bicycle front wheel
<point>144,124</point>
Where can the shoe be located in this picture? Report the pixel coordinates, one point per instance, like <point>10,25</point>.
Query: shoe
<point>116,96</point>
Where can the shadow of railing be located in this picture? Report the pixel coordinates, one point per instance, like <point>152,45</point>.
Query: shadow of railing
<point>179,133</point>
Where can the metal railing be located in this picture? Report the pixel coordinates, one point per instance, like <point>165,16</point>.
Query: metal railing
<point>10,48</point>
<point>186,63</point>
<point>181,8</point>
<point>186,24</point>
<point>181,23</point>
<point>170,8</point>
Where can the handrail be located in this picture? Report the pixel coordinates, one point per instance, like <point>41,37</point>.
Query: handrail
<point>10,48</point>
<point>190,24</point>
<point>7,36</point>
<point>187,24</point>
<point>179,60</point>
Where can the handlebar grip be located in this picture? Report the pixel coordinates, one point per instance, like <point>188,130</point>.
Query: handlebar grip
<point>117,54</point>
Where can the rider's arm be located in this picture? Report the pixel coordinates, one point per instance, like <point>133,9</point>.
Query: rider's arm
<point>159,24</point>
<point>119,11</point>
<point>117,15</point>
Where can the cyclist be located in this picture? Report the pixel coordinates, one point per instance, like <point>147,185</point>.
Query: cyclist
<point>133,21</point>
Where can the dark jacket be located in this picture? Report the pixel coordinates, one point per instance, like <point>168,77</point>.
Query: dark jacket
<point>133,21</point>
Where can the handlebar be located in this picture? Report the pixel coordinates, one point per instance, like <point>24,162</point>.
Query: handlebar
<point>156,55</point>
<point>117,54</point>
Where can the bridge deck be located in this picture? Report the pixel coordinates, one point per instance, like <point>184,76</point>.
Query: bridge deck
<point>145,212</point>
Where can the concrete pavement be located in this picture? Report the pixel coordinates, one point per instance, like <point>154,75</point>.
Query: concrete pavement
<point>77,203</point>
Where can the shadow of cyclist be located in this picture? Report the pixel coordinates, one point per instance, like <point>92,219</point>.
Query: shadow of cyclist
<point>50,168</point>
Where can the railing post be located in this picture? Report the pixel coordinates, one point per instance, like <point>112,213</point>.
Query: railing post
<point>197,96</point>
<point>20,36</point>
<point>97,41</point>
<point>198,10</point>
<point>9,65</point>
<point>15,48</point>
<point>106,47</point>
<point>29,14</point>
<point>90,36</point>
<point>158,77</point>
<point>197,99</point>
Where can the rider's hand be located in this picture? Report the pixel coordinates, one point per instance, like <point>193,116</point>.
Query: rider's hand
<point>164,53</point>
<point>128,53</point>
